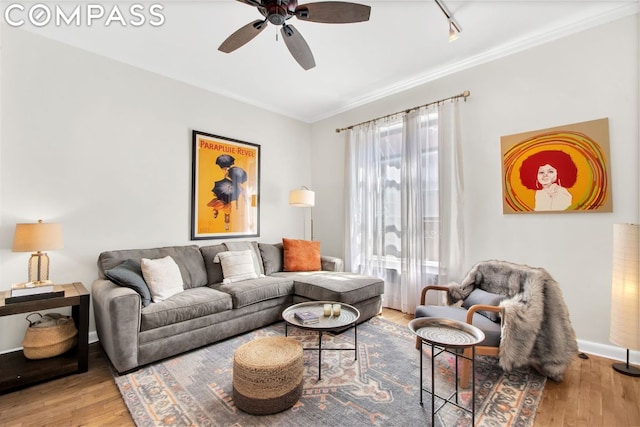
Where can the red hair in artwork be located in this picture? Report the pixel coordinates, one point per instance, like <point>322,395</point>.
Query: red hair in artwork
<point>561,161</point>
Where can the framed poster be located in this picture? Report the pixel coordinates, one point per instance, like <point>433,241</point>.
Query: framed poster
<point>561,169</point>
<point>225,198</point>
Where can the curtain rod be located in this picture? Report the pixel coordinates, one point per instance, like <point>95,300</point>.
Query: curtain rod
<point>464,95</point>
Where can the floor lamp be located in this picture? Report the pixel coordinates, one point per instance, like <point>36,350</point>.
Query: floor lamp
<point>303,198</point>
<point>625,293</point>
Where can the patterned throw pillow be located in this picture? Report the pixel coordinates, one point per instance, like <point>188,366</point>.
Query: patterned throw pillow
<point>237,265</point>
<point>301,255</point>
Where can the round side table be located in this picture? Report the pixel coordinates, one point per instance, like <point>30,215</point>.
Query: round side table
<point>447,336</point>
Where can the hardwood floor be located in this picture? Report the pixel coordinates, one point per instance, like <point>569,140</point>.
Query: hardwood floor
<point>592,394</point>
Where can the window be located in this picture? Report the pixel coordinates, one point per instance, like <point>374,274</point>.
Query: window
<point>389,253</point>
<point>394,189</point>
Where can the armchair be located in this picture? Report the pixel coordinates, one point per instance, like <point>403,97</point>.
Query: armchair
<point>521,311</point>
<point>483,316</point>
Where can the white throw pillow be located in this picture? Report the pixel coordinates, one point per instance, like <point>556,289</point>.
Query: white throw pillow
<point>162,276</point>
<point>236,266</point>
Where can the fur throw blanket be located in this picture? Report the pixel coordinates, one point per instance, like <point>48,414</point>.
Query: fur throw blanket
<point>536,329</point>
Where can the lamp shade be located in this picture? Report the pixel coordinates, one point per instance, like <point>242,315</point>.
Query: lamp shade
<point>37,237</point>
<point>625,287</point>
<point>303,198</point>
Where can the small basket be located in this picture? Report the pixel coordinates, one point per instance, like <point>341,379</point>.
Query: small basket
<point>51,335</point>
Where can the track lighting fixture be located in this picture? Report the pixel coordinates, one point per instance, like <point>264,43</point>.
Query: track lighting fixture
<point>453,35</point>
<point>454,28</point>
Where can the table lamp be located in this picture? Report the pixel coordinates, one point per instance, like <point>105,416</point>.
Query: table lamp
<point>303,198</point>
<point>36,238</point>
<point>625,293</point>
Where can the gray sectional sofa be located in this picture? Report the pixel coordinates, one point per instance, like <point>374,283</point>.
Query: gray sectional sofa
<point>207,310</point>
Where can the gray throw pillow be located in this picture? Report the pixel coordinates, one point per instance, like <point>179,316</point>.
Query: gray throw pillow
<point>129,275</point>
<point>479,296</point>
<point>272,257</point>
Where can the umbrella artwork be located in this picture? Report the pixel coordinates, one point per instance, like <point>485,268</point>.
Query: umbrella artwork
<point>223,190</point>
<point>225,187</point>
<point>228,189</point>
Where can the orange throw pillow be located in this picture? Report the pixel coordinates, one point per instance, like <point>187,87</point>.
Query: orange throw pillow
<point>301,255</point>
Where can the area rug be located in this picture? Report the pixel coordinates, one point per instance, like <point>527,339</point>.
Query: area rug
<point>380,388</point>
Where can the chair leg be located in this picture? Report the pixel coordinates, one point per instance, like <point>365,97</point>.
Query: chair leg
<point>417,343</point>
<point>465,371</point>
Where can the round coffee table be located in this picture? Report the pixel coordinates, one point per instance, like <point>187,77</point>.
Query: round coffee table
<point>348,317</point>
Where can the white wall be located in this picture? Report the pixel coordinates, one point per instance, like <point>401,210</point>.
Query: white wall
<point>586,76</point>
<point>105,149</point>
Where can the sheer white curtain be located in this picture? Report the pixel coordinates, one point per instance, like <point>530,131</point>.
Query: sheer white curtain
<point>451,192</point>
<point>403,202</point>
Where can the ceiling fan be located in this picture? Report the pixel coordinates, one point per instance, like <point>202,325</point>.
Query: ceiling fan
<point>279,11</point>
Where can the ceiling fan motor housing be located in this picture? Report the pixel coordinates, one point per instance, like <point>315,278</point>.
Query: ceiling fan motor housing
<point>277,12</point>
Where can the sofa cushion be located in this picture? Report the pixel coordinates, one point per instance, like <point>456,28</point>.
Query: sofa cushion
<point>256,290</point>
<point>129,275</point>
<point>190,304</point>
<point>349,288</point>
<point>301,255</point>
<point>479,296</point>
<point>237,266</point>
<point>272,257</point>
<point>162,276</point>
<point>188,258</point>
<point>214,269</point>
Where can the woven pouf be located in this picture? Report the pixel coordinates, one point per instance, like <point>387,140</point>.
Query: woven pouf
<point>267,375</point>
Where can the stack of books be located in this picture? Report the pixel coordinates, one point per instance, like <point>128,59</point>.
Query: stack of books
<point>22,292</point>
<point>306,317</point>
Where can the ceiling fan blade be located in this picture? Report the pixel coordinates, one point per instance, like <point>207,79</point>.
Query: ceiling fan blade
<point>242,36</point>
<point>333,12</point>
<point>298,47</point>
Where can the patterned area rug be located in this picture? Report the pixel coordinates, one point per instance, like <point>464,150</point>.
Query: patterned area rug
<point>381,388</point>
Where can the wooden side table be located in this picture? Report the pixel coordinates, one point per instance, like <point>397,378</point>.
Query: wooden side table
<point>18,371</point>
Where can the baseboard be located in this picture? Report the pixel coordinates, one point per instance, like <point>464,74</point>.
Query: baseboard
<point>609,351</point>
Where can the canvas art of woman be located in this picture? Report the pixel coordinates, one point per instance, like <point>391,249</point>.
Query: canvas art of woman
<point>561,170</point>
<point>549,173</point>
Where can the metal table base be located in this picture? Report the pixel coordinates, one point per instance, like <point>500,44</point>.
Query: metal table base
<point>453,337</point>
<point>320,348</point>
<point>436,351</point>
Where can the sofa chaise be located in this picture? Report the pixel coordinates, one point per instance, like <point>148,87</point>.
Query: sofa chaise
<point>134,331</point>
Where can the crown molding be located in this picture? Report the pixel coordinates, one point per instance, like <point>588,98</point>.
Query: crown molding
<point>507,49</point>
